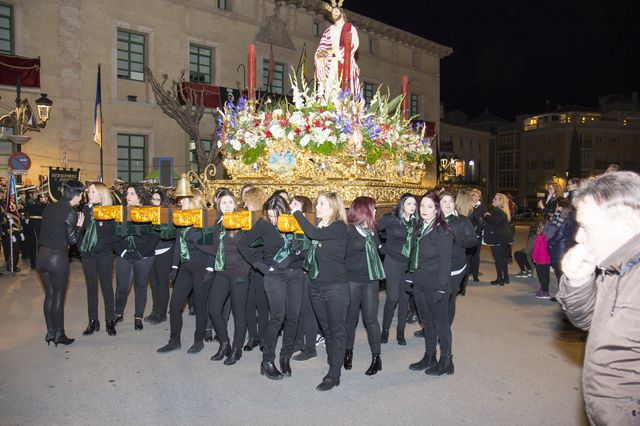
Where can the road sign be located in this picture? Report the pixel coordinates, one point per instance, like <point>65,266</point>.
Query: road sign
<point>19,162</point>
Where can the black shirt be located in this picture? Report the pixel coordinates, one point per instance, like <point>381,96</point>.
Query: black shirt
<point>331,251</point>
<point>357,267</point>
<point>272,242</point>
<point>193,237</point>
<point>59,230</point>
<point>464,238</point>
<point>233,260</point>
<point>105,230</point>
<point>396,235</point>
<point>434,259</point>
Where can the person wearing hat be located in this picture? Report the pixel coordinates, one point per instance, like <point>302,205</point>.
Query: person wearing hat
<point>33,218</point>
<point>118,190</point>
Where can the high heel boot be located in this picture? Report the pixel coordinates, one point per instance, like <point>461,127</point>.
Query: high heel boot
<point>111,327</point>
<point>376,365</point>
<point>94,325</point>
<point>269,369</point>
<point>62,339</point>
<point>223,351</point>
<point>348,359</point>
<point>285,366</point>
<point>445,366</point>
<point>427,361</point>
<point>234,356</point>
<point>50,337</point>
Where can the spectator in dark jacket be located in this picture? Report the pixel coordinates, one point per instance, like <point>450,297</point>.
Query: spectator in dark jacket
<point>497,234</point>
<point>560,232</point>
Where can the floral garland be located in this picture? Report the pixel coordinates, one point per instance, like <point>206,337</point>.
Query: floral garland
<point>328,127</point>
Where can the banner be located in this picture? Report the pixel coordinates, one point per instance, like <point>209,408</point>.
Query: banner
<point>28,68</point>
<point>11,208</point>
<point>58,176</point>
<point>97,114</point>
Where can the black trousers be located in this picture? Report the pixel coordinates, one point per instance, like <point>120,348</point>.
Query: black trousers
<point>364,294</point>
<point>257,304</point>
<point>435,317</point>
<point>543,276</point>
<point>138,271</point>
<point>474,260</point>
<point>330,302</point>
<point>307,322</point>
<point>557,269</point>
<point>99,268</point>
<point>30,245</point>
<point>523,262</point>
<point>284,290</point>
<point>190,277</point>
<point>395,272</point>
<point>500,258</point>
<point>159,278</point>
<point>229,285</point>
<point>6,247</point>
<point>455,284</point>
<point>53,267</point>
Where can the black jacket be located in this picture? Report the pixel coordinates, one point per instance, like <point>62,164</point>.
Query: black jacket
<point>105,229</point>
<point>357,267</point>
<point>434,260</point>
<point>193,237</point>
<point>396,234</point>
<point>477,218</point>
<point>464,238</point>
<point>59,230</point>
<point>496,228</point>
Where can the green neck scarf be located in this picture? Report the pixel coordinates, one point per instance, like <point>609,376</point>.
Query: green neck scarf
<point>184,250</point>
<point>374,264</point>
<point>450,217</point>
<point>90,237</point>
<point>285,250</point>
<point>219,264</point>
<point>310,262</point>
<point>409,225</point>
<point>131,241</point>
<point>415,252</point>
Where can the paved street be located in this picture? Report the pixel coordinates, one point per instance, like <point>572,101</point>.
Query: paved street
<point>516,362</point>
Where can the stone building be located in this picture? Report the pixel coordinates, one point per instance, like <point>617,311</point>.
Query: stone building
<point>208,39</point>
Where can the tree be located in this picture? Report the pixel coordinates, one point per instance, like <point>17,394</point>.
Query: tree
<point>185,105</point>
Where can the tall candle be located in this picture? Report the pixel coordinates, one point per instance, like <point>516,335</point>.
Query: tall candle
<point>405,97</point>
<point>252,71</point>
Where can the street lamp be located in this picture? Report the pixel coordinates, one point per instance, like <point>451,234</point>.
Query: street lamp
<point>22,119</point>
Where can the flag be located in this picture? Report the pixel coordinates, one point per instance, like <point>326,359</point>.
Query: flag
<point>11,207</point>
<point>272,68</point>
<point>302,66</point>
<point>97,114</point>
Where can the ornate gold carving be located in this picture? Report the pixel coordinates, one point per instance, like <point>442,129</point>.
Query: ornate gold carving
<point>243,220</point>
<point>287,223</point>
<point>109,213</point>
<point>146,214</point>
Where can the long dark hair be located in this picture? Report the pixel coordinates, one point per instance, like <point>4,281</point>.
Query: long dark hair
<point>362,212</point>
<point>276,203</point>
<point>307,205</point>
<point>440,219</point>
<point>164,202</point>
<point>142,194</point>
<point>397,211</point>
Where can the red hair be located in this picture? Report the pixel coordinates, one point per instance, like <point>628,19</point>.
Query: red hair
<point>363,212</point>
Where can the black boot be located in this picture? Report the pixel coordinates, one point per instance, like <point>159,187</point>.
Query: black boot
<point>223,351</point>
<point>445,366</point>
<point>384,336</point>
<point>171,346</point>
<point>111,327</point>
<point>328,383</point>
<point>119,318</point>
<point>61,338</point>
<point>50,337</point>
<point>268,368</point>
<point>234,356</point>
<point>251,343</point>
<point>497,281</point>
<point>400,338</point>
<point>348,359</point>
<point>195,348</point>
<point>208,335</point>
<point>376,365</point>
<point>285,366</point>
<point>305,355</point>
<point>427,361</point>
<point>137,324</point>
<point>94,325</point>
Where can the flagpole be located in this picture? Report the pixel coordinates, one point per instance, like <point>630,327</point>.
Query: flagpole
<point>99,91</point>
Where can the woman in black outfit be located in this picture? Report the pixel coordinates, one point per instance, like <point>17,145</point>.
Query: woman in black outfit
<point>464,238</point>
<point>399,231</point>
<point>364,271</point>
<point>135,256</point>
<point>231,280</point>
<point>97,258</point>
<point>61,225</point>
<point>329,288</point>
<point>497,234</point>
<point>188,273</point>
<point>283,284</point>
<point>430,265</point>
<point>159,276</point>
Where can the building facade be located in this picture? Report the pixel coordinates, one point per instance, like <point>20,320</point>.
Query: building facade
<point>206,42</point>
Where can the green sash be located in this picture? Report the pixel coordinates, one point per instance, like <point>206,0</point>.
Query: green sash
<point>285,250</point>
<point>406,247</point>
<point>219,264</point>
<point>184,250</point>
<point>310,262</point>
<point>90,237</point>
<point>374,264</point>
<point>413,259</point>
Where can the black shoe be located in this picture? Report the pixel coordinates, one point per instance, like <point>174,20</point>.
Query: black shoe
<point>234,356</point>
<point>462,291</point>
<point>305,355</point>
<point>419,333</point>
<point>496,282</point>
<point>50,336</point>
<point>216,338</point>
<point>328,383</point>
<point>151,318</point>
<point>94,325</point>
<point>223,351</point>
<point>348,359</point>
<point>208,335</point>
<point>285,367</point>
<point>251,343</point>
<point>376,365</point>
<point>137,324</point>
<point>505,282</point>
<point>553,299</point>
<point>62,339</point>
<point>427,361</point>
<point>475,278</point>
<point>384,337</point>
<point>445,366</point>
<point>400,338</point>
<point>119,318</point>
<point>158,319</point>
<point>111,327</point>
<point>195,348</point>
<point>412,318</point>
<point>171,346</point>
<point>268,368</point>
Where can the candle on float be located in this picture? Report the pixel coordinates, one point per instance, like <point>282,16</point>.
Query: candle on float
<point>252,71</point>
<point>405,97</point>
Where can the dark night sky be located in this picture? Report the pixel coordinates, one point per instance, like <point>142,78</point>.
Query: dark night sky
<point>514,56</point>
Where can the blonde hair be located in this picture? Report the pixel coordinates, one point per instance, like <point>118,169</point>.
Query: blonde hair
<point>504,205</point>
<point>255,197</point>
<point>197,201</point>
<point>464,203</point>
<point>476,191</point>
<point>106,199</point>
<point>336,204</point>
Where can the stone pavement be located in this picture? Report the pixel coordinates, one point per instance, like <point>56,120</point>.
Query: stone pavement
<point>516,362</point>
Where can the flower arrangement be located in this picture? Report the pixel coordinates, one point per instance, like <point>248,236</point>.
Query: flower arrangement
<point>329,127</point>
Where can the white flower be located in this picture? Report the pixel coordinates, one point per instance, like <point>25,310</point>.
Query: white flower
<point>277,131</point>
<point>297,119</point>
<point>319,135</point>
<point>305,140</point>
<point>235,143</point>
<point>332,139</point>
<point>219,144</point>
<point>251,139</point>
<point>291,135</point>
<point>343,137</point>
<point>277,112</point>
